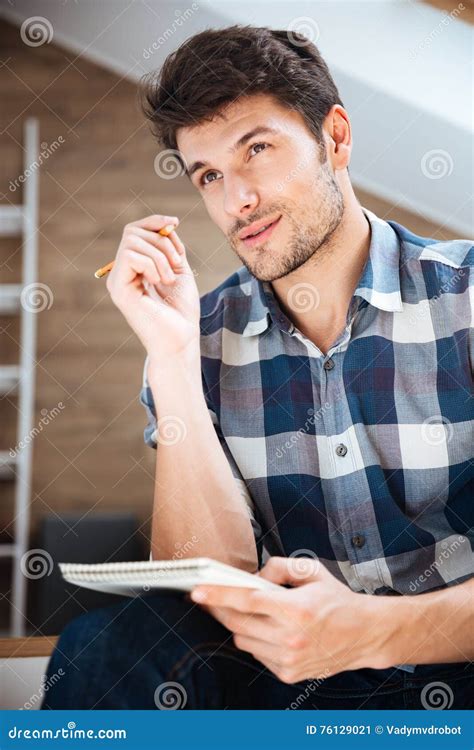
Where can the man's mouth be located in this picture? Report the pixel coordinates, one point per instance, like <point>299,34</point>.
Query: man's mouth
<point>251,236</point>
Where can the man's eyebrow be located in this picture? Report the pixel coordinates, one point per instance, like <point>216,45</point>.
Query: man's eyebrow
<point>258,130</point>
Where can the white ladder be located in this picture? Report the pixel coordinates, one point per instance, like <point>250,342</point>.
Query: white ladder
<point>18,380</point>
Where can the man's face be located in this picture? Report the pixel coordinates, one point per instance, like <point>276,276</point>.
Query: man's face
<point>275,177</point>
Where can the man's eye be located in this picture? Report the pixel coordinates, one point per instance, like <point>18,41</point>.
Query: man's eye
<point>207,174</point>
<point>204,179</point>
<point>256,146</point>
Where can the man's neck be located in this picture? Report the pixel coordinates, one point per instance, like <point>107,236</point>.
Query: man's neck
<point>330,278</point>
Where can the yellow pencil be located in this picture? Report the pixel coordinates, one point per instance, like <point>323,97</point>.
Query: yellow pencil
<point>105,269</point>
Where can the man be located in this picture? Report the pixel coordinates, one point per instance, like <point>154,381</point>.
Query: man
<point>317,407</point>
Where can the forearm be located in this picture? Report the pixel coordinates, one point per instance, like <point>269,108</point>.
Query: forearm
<point>198,510</point>
<point>426,629</point>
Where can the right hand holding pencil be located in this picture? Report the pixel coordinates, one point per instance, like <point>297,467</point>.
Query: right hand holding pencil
<point>154,287</point>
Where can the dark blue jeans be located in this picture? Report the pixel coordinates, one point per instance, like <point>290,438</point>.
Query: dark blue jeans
<point>162,651</point>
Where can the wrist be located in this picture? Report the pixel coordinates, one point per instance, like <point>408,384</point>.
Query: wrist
<point>186,362</point>
<point>177,388</point>
<point>394,627</point>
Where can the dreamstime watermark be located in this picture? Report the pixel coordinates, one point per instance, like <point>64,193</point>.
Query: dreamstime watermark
<point>46,684</point>
<point>303,563</point>
<point>437,696</point>
<point>36,31</point>
<point>36,563</point>
<point>447,551</point>
<point>182,550</point>
<point>169,164</point>
<point>170,696</point>
<point>36,297</point>
<point>309,422</point>
<point>302,31</point>
<point>437,430</point>
<point>303,297</point>
<point>46,150</point>
<point>176,289</point>
<point>292,174</point>
<point>168,33</point>
<point>438,29</point>
<point>46,418</point>
<point>170,430</point>
<point>150,316</point>
<point>71,732</point>
<point>309,689</point>
<point>421,311</point>
<point>436,164</point>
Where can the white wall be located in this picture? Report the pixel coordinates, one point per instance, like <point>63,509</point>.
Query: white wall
<point>21,681</point>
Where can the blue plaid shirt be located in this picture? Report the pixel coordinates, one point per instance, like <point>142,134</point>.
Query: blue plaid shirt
<point>362,457</point>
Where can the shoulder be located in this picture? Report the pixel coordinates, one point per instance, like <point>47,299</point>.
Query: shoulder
<point>443,265</point>
<point>453,253</point>
<point>231,305</point>
<point>232,318</point>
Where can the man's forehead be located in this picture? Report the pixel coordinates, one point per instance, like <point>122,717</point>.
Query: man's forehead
<point>246,110</point>
<point>230,122</point>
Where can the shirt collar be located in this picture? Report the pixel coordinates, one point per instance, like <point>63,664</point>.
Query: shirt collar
<point>379,283</point>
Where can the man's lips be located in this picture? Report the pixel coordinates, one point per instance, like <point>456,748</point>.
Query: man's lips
<point>261,236</point>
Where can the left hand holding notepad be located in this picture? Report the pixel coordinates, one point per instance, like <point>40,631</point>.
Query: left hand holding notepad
<point>313,630</point>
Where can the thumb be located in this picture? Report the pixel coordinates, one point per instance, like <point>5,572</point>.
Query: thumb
<point>292,570</point>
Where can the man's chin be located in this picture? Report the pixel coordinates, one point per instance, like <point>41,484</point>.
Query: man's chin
<point>258,264</point>
<point>264,273</point>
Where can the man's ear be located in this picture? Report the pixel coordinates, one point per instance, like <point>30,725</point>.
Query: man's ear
<point>338,136</point>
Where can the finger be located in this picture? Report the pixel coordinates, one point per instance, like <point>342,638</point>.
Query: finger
<point>241,599</point>
<point>218,613</point>
<point>242,621</point>
<point>162,244</point>
<point>277,668</point>
<point>130,268</point>
<point>141,264</point>
<point>177,243</point>
<point>260,649</point>
<point>257,626</point>
<point>294,570</point>
<point>155,222</point>
<point>160,260</point>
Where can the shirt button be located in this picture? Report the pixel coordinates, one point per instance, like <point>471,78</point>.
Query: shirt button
<point>341,449</point>
<point>329,364</point>
<point>358,540</point>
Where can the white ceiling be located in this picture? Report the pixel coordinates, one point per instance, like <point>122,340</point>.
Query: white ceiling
<point>403,68</point>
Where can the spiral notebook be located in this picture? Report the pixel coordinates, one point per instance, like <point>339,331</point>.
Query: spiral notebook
<point>139,578</point>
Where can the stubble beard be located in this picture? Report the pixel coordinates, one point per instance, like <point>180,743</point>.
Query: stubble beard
<point>309,237</point>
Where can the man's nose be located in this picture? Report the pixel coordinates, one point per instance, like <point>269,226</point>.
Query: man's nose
<point>240,197</point>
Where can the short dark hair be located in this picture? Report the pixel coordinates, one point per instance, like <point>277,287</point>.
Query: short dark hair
<point>218,66</point>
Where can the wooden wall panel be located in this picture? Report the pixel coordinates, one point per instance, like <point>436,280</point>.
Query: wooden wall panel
<point>92,456</point>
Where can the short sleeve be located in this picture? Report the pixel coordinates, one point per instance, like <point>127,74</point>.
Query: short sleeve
<point>146,399</point>
<point>149,435</point>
